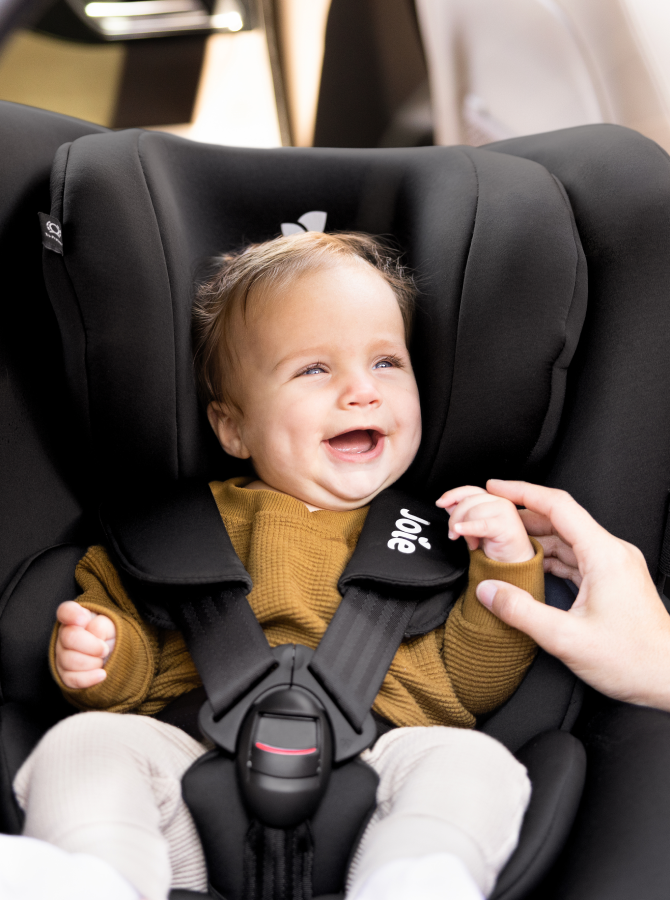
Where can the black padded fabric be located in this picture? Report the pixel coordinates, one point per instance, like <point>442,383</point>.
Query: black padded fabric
<point>21,727</point>
<point>31,701</point>
<point>40,501</point>
<point>490,237</point>
<point>146,533</point>
<point>211,793</point>
<point>549,696</point>
<point>618,848</point>
<point>27,615</point>
<point>181,894</point>
<point>556,764</point>
<point>614,455</point>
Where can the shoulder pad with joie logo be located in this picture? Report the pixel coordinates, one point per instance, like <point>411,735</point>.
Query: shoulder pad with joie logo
<point>404,550</point>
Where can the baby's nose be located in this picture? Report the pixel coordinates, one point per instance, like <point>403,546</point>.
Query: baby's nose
<point>362,392</point>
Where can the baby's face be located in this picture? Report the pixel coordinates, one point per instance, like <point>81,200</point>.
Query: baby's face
<point>329,404</point>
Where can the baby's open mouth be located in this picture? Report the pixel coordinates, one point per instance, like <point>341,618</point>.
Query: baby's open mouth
<point>355,442</point>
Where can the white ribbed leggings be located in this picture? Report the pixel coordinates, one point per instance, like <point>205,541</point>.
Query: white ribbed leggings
<point>110,785</point>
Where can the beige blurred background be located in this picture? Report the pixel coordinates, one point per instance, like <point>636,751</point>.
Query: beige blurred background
<point>234,101</point>
<point>367,73</point>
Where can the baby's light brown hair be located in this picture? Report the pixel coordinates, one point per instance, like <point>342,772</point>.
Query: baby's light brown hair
<point>275,263</point>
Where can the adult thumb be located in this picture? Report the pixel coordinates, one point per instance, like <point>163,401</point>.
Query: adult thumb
<point>516,607</point>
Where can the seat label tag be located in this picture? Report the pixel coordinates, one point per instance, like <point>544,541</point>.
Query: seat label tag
<point>52,233</point>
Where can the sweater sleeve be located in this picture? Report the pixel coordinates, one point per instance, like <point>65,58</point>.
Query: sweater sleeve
<point>485,658</point>
<point>132,664</point>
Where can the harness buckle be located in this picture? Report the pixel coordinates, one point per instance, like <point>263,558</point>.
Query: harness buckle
<point>284,757</point>
<point>292,673</point>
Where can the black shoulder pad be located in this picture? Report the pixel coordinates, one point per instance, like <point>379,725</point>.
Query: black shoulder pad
<point>172,537</point>
<point>404,549</point>
<point>405,546</point>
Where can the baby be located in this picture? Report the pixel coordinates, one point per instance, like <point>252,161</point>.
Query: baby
<point>302,361</point>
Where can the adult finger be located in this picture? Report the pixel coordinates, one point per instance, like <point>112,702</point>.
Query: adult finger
<point>553,629</point>
<point>73,637</point>
<point>569,520</point>
<point>72,613</point>
<point>553,546</point>
<point>555,567</point>
<point>535,523</point>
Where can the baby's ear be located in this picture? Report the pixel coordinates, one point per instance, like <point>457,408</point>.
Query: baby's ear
<point>226,425</point>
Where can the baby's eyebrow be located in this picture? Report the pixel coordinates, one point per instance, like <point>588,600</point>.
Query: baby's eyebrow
<point>314,353</point>
<point>380,345</point>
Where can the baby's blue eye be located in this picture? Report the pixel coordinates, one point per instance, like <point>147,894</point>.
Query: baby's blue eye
<point>313,370</point>
<point>383,364</point>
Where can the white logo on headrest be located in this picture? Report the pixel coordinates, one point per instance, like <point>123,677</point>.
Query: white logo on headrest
<point>53,228</point>
<point>409,529</point>
<point>311,221</point>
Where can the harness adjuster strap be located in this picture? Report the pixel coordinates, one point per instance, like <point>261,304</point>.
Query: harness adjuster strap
<point>226,642</point>
<point>358,648</point>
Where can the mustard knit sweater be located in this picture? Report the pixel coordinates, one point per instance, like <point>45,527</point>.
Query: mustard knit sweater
<point>295,558</point>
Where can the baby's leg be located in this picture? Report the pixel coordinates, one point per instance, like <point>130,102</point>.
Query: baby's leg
<point>441,791</point>
<point>110,785</point>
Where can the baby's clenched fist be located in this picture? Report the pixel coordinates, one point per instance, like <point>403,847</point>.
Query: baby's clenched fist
<point>84,642</point>
<point>487,521</point>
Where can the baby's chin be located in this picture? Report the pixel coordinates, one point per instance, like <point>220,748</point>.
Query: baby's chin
<point>341,497</point>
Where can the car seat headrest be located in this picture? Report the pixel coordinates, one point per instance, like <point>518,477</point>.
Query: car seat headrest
<point>491,239</point>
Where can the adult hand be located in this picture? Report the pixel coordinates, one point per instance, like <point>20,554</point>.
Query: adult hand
<point>616,637</point>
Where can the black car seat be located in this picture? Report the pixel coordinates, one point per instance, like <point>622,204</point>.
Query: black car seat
<point>490,236</point>
<point>139,212</point>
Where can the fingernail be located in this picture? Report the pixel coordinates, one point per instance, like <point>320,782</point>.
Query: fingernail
<point>486,591</point>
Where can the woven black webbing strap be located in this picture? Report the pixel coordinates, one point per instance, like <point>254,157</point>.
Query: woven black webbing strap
<point>228,646</point>
<point>278,863</point>
<point>358,647</point>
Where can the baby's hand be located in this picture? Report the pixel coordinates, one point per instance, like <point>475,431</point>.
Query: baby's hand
<point>84,642</point>
<point>486,520</point>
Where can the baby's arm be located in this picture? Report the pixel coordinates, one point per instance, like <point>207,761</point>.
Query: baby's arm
<point>85,640</point>
<point>485,662</point>
<point>81,642</point>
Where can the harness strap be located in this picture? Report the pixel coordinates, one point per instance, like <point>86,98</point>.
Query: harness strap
<point>358,647</point>
<point>278,863</point>
<point>226,642</point>
<point>232,654</point>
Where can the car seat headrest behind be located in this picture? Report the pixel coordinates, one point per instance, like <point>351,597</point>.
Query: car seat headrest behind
<point>491,239</point>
